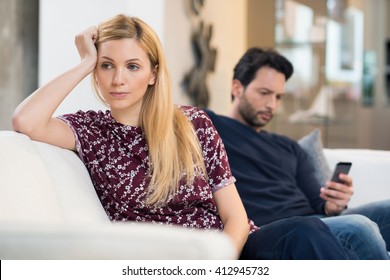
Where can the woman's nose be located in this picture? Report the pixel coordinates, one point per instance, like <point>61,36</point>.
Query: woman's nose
<point>119,78</point>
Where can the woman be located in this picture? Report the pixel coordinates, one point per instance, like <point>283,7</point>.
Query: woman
<point>149,160</point>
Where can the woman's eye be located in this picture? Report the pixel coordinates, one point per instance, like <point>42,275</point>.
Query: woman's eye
<point>106,66</point>
<point>133,67</point>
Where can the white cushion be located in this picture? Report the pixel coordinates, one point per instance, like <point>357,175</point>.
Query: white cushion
<point>72,184</point>
<point>370,172</point>
<point>41,183</point>
<point>26,193</point>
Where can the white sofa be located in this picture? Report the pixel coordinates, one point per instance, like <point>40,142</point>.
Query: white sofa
<point>49,209</point>
<point>370,172</point>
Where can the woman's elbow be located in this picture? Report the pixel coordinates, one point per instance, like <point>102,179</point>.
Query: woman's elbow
<point>20,123</point>
<point>17,122</point>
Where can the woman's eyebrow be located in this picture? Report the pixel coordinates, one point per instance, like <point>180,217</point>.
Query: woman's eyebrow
<point>106,57</point>
<point>128,60</point>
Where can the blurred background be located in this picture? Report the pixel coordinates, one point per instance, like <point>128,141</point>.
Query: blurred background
<point>340,50</point>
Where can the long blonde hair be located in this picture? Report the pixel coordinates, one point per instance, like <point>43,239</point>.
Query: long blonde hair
<point>174,150</point>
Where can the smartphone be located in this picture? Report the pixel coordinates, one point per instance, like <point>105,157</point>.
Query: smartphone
<point>341,167</point>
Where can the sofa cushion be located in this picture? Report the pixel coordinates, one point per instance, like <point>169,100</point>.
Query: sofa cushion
<point>72,184</point>
<point>26,192</point>
<point>313,146</point>
<point>369,171</point>
<point>46,184</point>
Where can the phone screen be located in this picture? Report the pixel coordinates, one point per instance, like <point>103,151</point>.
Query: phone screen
<point>341,167</point>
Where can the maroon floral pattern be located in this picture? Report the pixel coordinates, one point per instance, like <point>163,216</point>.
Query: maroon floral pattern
<point>116,157</point>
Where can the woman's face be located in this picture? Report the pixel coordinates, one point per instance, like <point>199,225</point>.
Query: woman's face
<point>123,74</point>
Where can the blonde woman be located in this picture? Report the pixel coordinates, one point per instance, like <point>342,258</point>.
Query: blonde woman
<point>149,160</point>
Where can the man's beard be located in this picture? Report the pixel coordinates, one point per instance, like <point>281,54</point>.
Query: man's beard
<point>251,116</point>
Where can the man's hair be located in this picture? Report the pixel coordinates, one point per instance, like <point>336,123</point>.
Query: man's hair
<point>256,58</point>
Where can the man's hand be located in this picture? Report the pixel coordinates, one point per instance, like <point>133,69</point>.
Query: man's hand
<point>337,195</point>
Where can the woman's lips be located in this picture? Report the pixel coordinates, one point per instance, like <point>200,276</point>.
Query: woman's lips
<point>118,94</point>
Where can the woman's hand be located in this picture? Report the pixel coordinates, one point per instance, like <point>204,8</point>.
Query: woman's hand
<point>85,43</point>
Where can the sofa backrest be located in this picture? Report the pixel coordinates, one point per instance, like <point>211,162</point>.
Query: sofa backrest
<point>370,172</point>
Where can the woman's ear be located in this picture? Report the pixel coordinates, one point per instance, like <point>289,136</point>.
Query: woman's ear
<point>153,77</point>
<point>95,78</point>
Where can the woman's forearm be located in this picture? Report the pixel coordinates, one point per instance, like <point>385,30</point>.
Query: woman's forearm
<point>233,215</point>
<point>238,232</point>
<point>33,115</point>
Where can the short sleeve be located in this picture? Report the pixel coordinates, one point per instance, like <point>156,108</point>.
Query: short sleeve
<point>82,125</point>
<point>213,149</point>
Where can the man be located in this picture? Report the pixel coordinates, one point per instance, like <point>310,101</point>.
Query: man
<point>274,176</point>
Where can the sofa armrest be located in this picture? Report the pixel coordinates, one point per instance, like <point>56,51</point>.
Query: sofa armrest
<point>370,172</point>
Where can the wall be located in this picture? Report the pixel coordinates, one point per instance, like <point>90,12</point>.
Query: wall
<point>388,18</point>
<point>229,20</point>
<point>177,45</point>
<point>60,21</point>
<point>171,21</point>
<point>367,128</point>
<point>373,132</point>
<point>228,38</point>
<point>18,54</point>
<point>260,23</point>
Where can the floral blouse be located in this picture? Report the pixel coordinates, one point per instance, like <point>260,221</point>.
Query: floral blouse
<point>117,160</point>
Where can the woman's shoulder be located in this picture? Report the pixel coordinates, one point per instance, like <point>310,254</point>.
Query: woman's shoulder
<point>89,119</point>
<point>200,120</point>
<point>194,114</point>
<point>189,110</point>
<point>89,115</point>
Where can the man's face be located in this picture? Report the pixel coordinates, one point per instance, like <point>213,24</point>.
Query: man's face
<point>256,104</point>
